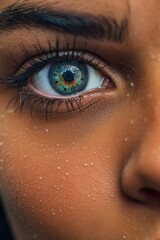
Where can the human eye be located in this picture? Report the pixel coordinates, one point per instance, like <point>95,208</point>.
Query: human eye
<point>61,82</point>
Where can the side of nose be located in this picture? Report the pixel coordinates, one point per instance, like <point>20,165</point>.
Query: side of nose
<point>141,174</point>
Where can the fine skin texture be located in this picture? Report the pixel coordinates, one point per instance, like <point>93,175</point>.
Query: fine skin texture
<point>94,173</point>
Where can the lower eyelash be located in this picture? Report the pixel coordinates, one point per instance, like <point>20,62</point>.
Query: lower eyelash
<point>45,106</point>
<point>42,104</point>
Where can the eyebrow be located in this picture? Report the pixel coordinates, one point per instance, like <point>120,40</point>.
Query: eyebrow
<point>17,16</point>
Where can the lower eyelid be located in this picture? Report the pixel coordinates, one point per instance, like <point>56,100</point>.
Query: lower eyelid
<point>58,107</point>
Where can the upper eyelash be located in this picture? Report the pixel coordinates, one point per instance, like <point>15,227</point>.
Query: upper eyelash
<point>42,59</point>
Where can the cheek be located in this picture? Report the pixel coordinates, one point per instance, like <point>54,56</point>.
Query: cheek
<point>66,183</point>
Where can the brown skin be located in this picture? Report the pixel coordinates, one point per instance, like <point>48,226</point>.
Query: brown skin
<point>108,153</point>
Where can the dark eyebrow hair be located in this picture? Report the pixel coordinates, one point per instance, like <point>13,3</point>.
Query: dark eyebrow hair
<point>18,16</point>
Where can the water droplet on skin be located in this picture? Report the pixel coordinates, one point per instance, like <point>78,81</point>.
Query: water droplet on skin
<point>124,237</point>
<point>99,148</point>
<point>92,164</point>
<point>94,152</point>
<point>102,192</point>
<point>1,143</point>
<point>46,130</point>
<point>35,236</point>
<point>58,167</point>
<point>112,195</point>
<point>131,122</point>
<point>10,111</point>
<point>86,164</point>
<point>1,160</point>
<point>57,144</point>
<point>67,161</point>
<point>60,210</point>
<point>126,139</point>
<point>132,84</point>
<point>66,173</point>
<point>94,199</point>
<point>25,156</point>
<point>40,178</point>
<point>84,148</point>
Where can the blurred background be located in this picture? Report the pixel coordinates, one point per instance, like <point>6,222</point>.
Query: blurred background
<point>5,233</point>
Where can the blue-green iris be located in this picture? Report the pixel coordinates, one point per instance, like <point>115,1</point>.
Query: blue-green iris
<point>68,78</point>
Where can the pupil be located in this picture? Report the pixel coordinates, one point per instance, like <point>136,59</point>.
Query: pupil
<point>68,76</point>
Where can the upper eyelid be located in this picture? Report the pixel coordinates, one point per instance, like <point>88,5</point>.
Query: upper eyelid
<point>20,79</point>
<point>71,55</point>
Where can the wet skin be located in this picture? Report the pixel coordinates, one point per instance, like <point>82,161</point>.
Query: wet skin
<point>92,173</point>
